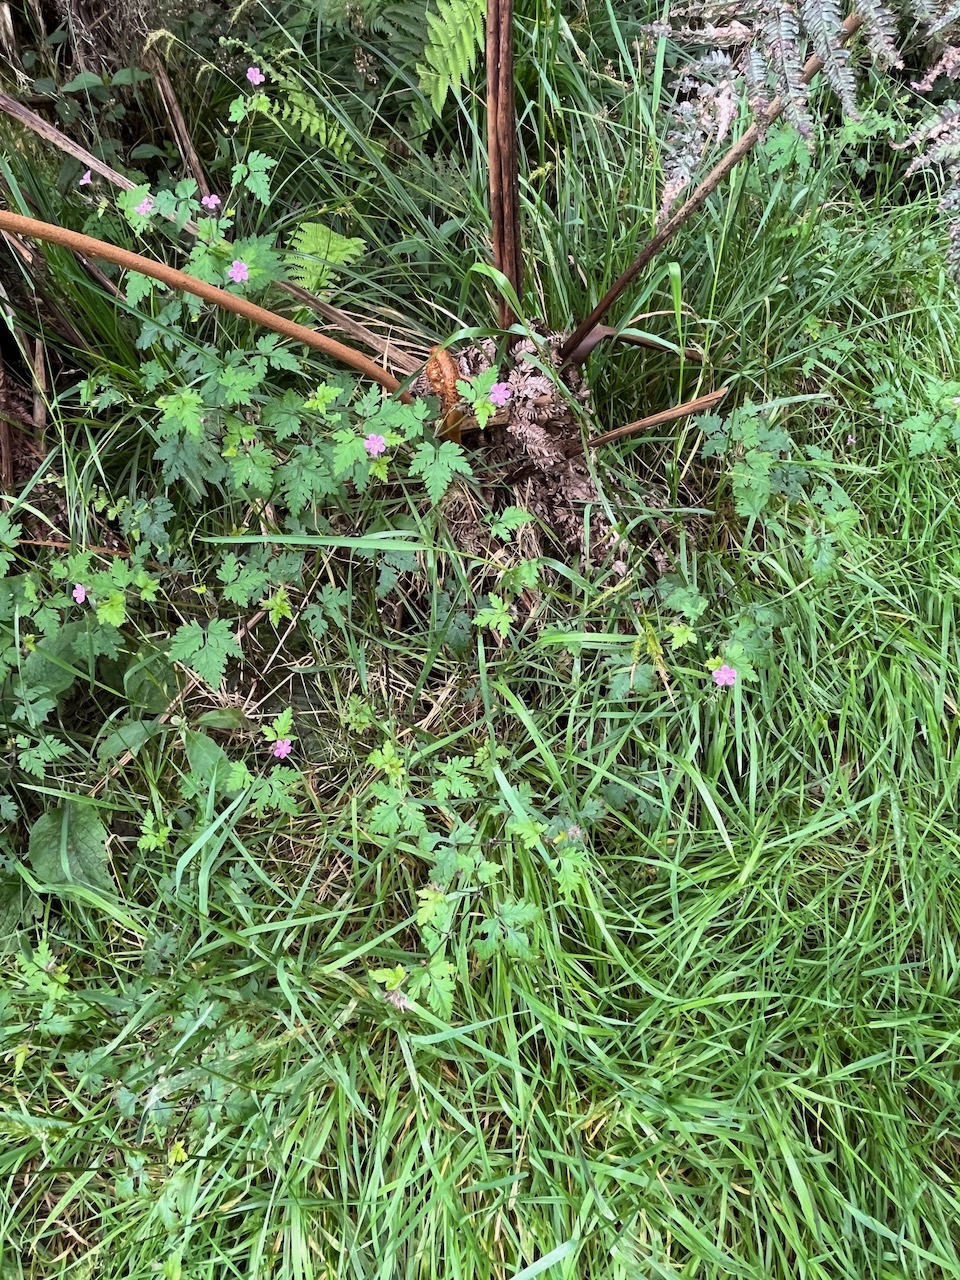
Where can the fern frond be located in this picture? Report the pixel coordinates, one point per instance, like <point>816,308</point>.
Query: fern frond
<point>782,38</point>
<point>319,249</point>
<point>880,29</point>
<point>756,76</point>
<point>402,26</point>
<point>294,108</point>
<point>455,37</point>
<point>822,20</point>
<point>940,20</point>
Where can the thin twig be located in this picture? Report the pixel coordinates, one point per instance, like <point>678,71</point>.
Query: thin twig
<point>178,125</point>
<point>706,188</point>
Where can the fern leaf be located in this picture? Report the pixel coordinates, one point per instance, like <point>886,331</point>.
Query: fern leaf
<point>822,20</point>
<point>755,73</point>
<point>455,37</point>
<point>880,29</point>
<point>320,249</point>
<point>945,18</point>
<point>297,110</point>
<point>781,35</point>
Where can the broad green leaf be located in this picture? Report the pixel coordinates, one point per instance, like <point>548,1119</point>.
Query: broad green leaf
<point>209,764</point>
<point>80,83</point>
<point>68,846</point>
<point>128,737</point>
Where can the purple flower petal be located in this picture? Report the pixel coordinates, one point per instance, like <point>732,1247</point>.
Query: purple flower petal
<point>725,676</point>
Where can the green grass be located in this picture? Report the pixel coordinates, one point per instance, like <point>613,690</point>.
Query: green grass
<point>727,1046</point>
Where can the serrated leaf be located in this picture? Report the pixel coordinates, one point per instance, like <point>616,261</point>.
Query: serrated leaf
<point>139,287</point>
<point>253,469</point>
<point>68,846</point>
<point>182,411</point>
<point>438,465</point>
<point>278,357</point>
<point>236,382</point>
<point>206,650</point>
<point>252,173</point>
<point>434,986</point>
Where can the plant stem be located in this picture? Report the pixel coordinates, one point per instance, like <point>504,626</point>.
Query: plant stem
<point>706,188</point>
<point>703,404</point>
<point>30,120</point>
<point>502,151</point>
<point>90,247</point>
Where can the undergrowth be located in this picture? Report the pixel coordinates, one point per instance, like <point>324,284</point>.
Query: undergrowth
<point>388,892</point>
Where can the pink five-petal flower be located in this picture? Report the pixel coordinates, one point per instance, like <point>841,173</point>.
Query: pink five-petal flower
<point>238,272</point>
<point>375,445</point>
<point>725,676</point>
<point>79,593</point>
<point>86,179</point>
<point>210,202</point>
<point>145,207</point>
<point>500,393</point>
<point>282,748</point>
<point>255,75</point>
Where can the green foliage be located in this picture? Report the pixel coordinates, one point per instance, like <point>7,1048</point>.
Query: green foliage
<point>342,997</point>
<point>455,37</point>
<point>496,615</point>
<point>319,250</point>
<point>68,848</point>
<point>930,429</point>
<point>206,649</point>
<point>437,464</point>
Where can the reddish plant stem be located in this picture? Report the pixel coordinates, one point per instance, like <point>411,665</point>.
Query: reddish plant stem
<point>502,151</point>
<point>30,120</point>
<point>90,247</point>
<point>706,188</point>
<point>703,404</point>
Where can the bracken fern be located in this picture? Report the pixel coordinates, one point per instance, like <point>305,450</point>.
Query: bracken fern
<point>454,41</point>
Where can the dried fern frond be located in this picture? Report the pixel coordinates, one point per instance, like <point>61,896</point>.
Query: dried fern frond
<point>705,115</point>
<point>784,50</point>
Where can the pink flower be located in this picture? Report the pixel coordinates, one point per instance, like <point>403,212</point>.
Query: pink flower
<point>145,207</point>
<point>255,75</point>
<point>375,445</point>
<point>282,748</point>
<point>239,271</point>
<point>210,202</point>
<point>79,593</point>
<point>725,676</point>
<point>851,439</point>
<point>86,179</point>
<point>500,393</point>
